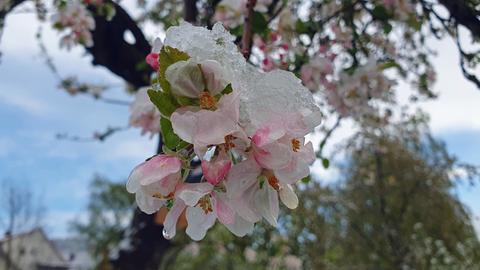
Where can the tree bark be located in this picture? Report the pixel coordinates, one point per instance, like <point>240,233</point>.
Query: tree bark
<point>463,15</point>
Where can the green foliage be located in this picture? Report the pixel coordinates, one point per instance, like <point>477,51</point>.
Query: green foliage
<point>165,102</point>
<point>170,139</point>
<point>259,23</point>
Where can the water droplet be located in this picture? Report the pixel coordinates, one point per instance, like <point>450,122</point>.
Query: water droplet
<point>166,235</point>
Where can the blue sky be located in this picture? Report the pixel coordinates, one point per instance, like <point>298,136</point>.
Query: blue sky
<point>33,110</point>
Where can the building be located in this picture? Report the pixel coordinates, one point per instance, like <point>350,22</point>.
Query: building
<point>30,251</point>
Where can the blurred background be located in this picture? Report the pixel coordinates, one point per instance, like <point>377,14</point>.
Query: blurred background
<point>403,195</point>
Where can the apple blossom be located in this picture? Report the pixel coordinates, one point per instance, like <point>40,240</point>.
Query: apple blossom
<point>144,114</point>
<point>231,12</point>
<point>74,16</point>
<point>154,181</point>
<point>246,127</point>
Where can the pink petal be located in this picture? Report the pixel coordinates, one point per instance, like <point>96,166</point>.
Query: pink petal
<point>224,211</point>
<point>191,193</point>
<point>294,172</point>
<point>215,171</point>
<point>274,155</point>
<point>152,60</point>
<point>242,176</point>
<point>184,124</point>
<point>153,170</point>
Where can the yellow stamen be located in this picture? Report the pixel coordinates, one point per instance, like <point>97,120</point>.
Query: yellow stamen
<point>161,197</point>
<point>295,145</point>
<point>207,101</point>
<point>229,142</point>
<point>205,204</point>
<point>273,181</point>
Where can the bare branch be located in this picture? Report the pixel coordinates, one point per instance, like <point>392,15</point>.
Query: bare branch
<point>247,30</point>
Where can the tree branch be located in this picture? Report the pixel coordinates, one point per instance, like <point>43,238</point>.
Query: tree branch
<point>190,11</point>
<point>463,15</point>
<point>112,51</point>
<point>247,30</point>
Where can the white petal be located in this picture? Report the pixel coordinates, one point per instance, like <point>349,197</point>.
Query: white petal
<point>241,177</point>
<point>215,76</point>
<point>148,204</point>
<point>192,193</point>
<point>170,224</point>
<point>240,227</point>
<point>185,78</point>
<point>266,201</point>
<point>157,45</point>
<point>288,196</point>
<point>199,222</point>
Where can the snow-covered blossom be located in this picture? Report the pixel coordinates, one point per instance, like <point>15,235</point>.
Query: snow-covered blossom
<point>231,12</point>
<point>75,18</point>
<point>246,127</point>
<point>143,114</point>
<point>154,181</point>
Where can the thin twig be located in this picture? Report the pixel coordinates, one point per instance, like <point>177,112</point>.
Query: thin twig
<point>247,30</point>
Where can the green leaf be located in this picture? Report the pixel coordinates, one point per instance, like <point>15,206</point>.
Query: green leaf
<point>387,28</point>
<point>185,101</point>
<point>380,13</point>
<point>325,163</point>
<point>237,31</point>
<point>170,139</point>
<point>163,101</point>
<point>169,56</point>
<point>228,89</point>
<point>306,179</point>
<point>301,27</point>
<point>389,64</point>
<point>109,11</point>
<point>259,23</point>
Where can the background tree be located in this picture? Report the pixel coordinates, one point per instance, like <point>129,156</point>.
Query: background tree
<point>21,210</point>
<point>393,209</point>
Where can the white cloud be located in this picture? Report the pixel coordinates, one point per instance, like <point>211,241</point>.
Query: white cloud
<point>16,98</point>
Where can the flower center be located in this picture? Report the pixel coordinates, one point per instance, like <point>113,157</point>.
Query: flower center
<point>207,101</point>
<point>295,145</point>
<point>229,142</point>
<point>205,204</point>
<point>273,181</point>
<point>161,197</point>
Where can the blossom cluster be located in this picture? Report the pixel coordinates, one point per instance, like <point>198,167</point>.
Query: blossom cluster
<point>232,12</point>
<point>73,87</point>
<point>273,51</point>
<point>143,114</point>
<point>247,128</point>
<point>74,17</point>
